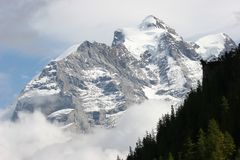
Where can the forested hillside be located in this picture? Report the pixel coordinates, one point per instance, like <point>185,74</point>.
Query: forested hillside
<point>207,125</point>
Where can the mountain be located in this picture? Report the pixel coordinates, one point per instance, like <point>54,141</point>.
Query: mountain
<point>206,126</point>
<point>93,84</point>
<point>213,46</point>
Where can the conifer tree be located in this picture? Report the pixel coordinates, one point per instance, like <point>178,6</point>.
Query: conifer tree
<point>160,158</point>
<point>229,146</point>
<point>215,142</point>
<point>224,112</point>
<point>170,156</point>
<point>237,157</point>
<point>201,145</point>
<point>118,158</point>
<point>172,113</point>
<point>131,154</point>
<point>219,146</point>
<point>188,149</point>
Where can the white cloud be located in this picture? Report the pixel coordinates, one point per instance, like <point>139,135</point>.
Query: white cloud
<point>33,138</point>
<point>73,20</point>
<point>15,26</point>
<point>237,16</point>
<point>17,33</point>
<point>34,25</point>
<point>23,138</point>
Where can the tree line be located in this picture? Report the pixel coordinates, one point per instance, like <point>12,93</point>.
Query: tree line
<point>207,125</point>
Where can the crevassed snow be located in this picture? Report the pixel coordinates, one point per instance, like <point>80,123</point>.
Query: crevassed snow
<point>211,46</point>
<point>69,51</point>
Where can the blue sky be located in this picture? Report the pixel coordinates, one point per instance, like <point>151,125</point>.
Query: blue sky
<point>18,67</point>
<point>32,32</point>
<point>17,70</point>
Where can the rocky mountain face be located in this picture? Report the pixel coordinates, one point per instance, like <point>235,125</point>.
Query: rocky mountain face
<point>93,84</point>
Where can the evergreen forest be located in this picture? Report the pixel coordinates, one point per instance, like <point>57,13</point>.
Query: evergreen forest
<point>207,125</point>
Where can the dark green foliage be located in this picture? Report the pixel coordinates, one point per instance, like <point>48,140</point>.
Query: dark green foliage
<point>219,146</point>
<point>201,148</point>
<point>213,145</point>
<point>160,158</point>
<point>207,125</point>
<point>237,157</point>
<point>229,146</point>
<point>225,113</point>
<point>170,157</point>
<point>188,150</point>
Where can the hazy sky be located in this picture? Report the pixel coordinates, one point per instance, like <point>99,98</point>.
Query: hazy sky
<point>34,31</point>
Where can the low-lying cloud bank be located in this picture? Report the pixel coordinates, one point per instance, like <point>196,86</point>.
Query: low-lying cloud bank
<point>33,138</point>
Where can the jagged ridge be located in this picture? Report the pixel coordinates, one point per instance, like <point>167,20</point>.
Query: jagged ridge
<point>100,82</point>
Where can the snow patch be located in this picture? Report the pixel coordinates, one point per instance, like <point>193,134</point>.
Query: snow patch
<point>40,86</point>
<point>137,41</point>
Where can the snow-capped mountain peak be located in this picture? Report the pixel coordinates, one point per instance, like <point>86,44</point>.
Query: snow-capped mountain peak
<point>212,46</point>
<point>93,84</point>
<point>152,22</point>
<point>145,37</point>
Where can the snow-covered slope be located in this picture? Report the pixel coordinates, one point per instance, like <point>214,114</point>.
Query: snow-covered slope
<point>213,46</point>
<point>165,54</point>
<point>145,37</point>
<point>93,84</point>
